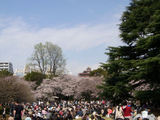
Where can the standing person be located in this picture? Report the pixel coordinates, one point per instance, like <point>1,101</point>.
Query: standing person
<point>18,111</point>
<point>119,113</point>
<point>4,112</point>
<point>127,111</point>
<point>11,108</point>
<point>109,112</point>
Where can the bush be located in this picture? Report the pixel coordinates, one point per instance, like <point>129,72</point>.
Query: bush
<point>35,77</point>
<point>5,73</point>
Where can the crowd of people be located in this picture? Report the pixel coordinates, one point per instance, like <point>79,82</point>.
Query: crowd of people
<point>81,110</point>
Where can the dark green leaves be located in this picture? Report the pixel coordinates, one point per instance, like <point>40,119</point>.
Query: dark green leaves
<point>136,63</point>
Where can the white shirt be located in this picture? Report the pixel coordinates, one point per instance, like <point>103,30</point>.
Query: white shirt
<point>144,114</point>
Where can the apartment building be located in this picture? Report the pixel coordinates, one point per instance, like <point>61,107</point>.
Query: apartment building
<point>6,66</point>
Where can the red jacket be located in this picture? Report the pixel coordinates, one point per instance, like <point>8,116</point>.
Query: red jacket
<point>127,111</point>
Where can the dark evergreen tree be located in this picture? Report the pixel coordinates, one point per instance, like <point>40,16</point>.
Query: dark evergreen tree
<point>138,61</point>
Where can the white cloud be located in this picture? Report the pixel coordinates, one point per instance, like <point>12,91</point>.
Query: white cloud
<point>17,38</point>
<point>78,37</point>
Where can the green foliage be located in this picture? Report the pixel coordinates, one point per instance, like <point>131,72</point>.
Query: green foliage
<point>116,86</point>
<point>138,61</point>
<point>98,72</point>
<point>35,77</point>
<point>5,73</point>
<point>149,95</point>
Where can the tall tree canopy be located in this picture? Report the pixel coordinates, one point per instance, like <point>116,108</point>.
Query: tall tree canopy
<point>48,58</point>
<point>138,61</point>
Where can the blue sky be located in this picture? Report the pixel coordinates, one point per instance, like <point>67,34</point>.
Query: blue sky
<point>82,28</point>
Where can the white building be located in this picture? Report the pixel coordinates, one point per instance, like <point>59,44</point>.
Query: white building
<point>22,72</point>
<point>6,66</point>
<point>19,72</point>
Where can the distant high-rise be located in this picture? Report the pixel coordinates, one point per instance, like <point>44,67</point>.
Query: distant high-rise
<point>6,66</point>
